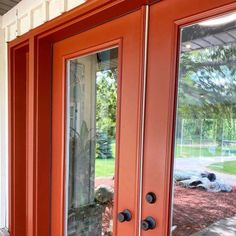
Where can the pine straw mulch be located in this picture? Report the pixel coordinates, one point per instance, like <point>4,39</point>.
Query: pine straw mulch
<point>196,209</point>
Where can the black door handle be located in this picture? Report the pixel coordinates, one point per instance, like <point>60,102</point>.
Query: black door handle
<point>151,197</point>
<point>125,216</point>
<point>148,224</point>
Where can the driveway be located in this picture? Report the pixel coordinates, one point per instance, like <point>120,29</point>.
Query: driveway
<point>201,164</point>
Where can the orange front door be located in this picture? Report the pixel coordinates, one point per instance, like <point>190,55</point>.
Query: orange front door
<point>96,107</point>
<point>190,79</point>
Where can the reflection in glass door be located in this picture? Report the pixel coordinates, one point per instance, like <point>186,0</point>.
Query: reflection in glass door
<point>91,140</point>
<point>204,197</point>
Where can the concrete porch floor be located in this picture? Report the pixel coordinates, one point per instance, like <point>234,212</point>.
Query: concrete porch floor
<point>225,227</point>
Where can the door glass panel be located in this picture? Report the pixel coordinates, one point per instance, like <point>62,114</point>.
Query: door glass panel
<point>91,141</point>
<point>204,196</point>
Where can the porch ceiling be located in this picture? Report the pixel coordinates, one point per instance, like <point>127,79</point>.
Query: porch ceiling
<point>6,5</point>
<point>210,36</point>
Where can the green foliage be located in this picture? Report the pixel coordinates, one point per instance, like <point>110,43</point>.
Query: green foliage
<point>207,91</point>
<point>106,112</point>
<point>103,146</point>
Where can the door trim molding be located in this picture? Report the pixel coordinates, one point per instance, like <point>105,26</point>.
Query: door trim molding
<point>92,13</point>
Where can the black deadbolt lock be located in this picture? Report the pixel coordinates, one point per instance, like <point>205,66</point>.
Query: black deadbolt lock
<point>151,197</point>
<point>125,216</point>
<point>148,224</point>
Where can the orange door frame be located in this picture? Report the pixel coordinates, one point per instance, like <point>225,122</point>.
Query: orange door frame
<point>166,18</point>
<point>30,105</point>
<point>30,110</point>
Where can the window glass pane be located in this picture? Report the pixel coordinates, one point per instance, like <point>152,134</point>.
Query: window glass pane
<point>204,197</point>
<point>92,97</point>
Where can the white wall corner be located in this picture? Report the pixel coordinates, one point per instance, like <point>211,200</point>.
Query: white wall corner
<point>3,131</point>
<point>4,232</point>
<point>28,14</point>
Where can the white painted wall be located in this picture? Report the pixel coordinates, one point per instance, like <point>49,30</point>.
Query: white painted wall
<point>29,14</point>
<point>26,15</point>
<point>3,131</point>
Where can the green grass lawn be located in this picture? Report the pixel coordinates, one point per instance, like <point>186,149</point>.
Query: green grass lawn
<point>188,151</point>
<point>228,167</point>
<point>104,167</point>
